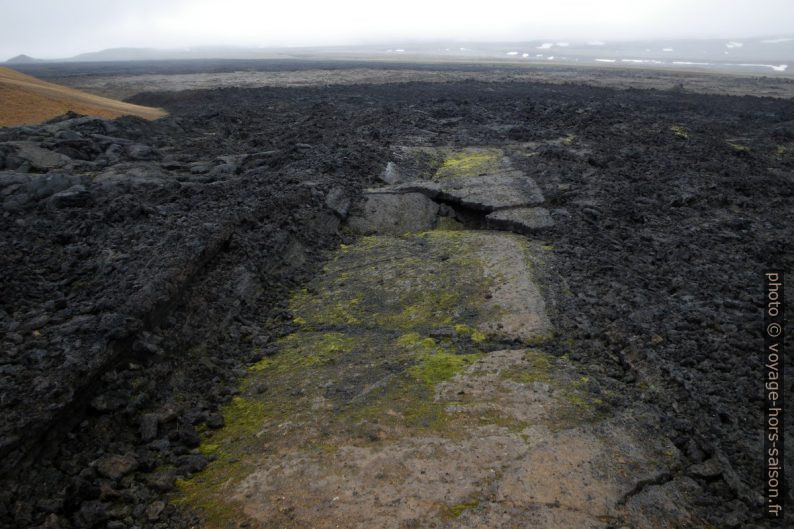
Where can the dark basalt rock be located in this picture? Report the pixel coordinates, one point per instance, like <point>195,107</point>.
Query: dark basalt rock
<point>338,202</point>
<point>75,197</point>
<point>116,466</point>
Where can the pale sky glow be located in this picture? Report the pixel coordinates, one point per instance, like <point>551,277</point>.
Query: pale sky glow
<point>62,28</point>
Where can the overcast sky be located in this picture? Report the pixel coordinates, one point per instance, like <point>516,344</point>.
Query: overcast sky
<point>62,28</point>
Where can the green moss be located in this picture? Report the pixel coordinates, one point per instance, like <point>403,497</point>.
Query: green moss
<point>308,313</point>
<point>569,139</point>
<point>454,511</point>
<point>262,365</point>
<point>540,361</point>
<point>449,224</point>
<point>417,343</point>
<point>475,335</point>
<point>429,308</point>
<point>469,162</point>
<point>425,414</point>
<point>216,509</point>
<point>391,282</point>
<point>408,400</point>
<point>539,369</point>
<point>208,448</point>
<point>205,491</point>
<point>782,151</point>
<point>739,148</point>
<point>576,400</point>
<point>440,366</point>
<point>581,382</point>
<point>242,416</point>
<point>436,362</point>
<point>578,396</point>
<point>306,349</point>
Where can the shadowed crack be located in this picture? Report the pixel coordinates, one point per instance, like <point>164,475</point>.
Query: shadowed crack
<point>660,479</point>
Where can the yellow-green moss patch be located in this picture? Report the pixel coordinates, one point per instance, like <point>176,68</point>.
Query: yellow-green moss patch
<point>306,349</point>
<point>475,335</point>
<point>440,366</point>
<point>454,511</point>
<point>469,162</point>
<point>206,490</point>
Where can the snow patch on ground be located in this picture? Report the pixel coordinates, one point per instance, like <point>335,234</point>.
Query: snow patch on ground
<point>775,67</point>
<point>642,61</point>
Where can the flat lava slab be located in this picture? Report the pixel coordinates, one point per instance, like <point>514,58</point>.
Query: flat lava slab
<point>520,220</point>
<point>484,193</point>
<point>411,395</point>
<point>480,178</point>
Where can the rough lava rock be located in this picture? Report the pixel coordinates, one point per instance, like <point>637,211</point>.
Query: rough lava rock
<point>116,466</point>
<point>338,201</point>
<point>74,197</point>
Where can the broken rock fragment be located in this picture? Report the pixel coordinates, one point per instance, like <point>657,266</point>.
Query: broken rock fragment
<point>394,214</point>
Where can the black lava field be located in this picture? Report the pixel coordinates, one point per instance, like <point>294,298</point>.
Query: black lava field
<point>139,262</point>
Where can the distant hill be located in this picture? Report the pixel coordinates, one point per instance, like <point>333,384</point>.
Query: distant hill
<point>766,55</point>
<point>123,54</point>
<point>22,59</point>
<point>153,54</point>
<point>27,100</point>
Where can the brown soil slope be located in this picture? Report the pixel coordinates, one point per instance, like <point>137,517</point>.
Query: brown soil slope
<point>27,100</point>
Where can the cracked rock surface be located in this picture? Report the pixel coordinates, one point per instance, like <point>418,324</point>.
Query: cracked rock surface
<point>395,404</point>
